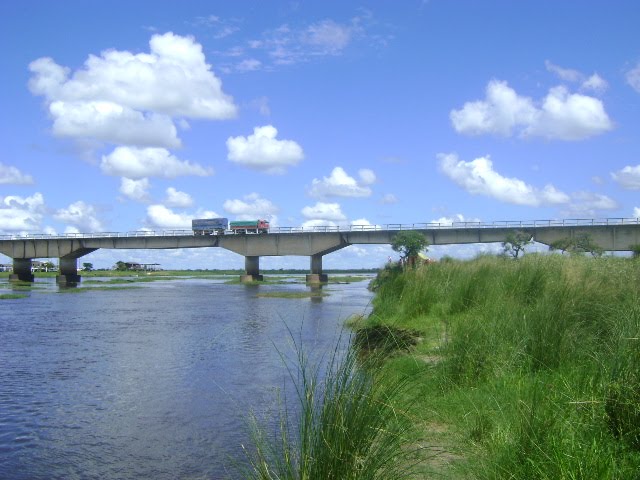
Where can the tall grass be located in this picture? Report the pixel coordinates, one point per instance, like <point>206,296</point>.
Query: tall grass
<point>345,425</point>
<point>538,371</point>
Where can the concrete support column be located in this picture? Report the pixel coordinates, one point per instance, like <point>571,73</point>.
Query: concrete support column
<point>316,275</point>
<point>68,271</point>
<point>252,269</point>
<point>21,270</point>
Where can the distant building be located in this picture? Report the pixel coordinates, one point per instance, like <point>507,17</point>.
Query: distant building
<point>145,267</point>
<point>6,267</point>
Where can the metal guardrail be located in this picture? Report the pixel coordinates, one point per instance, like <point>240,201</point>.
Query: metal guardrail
<point>573,222</point>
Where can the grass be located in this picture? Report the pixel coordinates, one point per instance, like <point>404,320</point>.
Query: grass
<point>12,296</point>
<point>530,368</point>
<point>348,427</point>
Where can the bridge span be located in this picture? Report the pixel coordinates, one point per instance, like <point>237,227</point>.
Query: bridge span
<point>611,234</point>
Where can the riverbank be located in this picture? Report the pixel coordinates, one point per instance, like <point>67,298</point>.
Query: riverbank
<point>520,369</point>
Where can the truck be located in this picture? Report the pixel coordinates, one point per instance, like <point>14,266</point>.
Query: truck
<point>209,226</point>
<point>249,226</point>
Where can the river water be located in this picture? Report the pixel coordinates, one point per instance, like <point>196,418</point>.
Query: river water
<point>155,381</point>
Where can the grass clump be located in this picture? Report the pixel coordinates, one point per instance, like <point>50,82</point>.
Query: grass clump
<point>533,365</point>
<point>348,427</point>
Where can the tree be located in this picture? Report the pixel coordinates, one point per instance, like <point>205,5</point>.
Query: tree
<point>120,266</point>
<point>87,267</point>
<point>516,242</point>
<point>408,244</point>
<point>577,245</point>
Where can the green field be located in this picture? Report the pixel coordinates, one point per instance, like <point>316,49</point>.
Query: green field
<point>524,369</point>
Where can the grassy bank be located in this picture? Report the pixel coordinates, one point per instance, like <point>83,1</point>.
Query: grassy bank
<point>520,369</point>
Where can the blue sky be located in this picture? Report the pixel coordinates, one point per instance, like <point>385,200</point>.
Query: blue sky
<point>121,116</point>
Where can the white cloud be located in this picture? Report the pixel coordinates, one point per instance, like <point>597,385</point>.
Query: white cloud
<point>457,218</point>
<point>309,224</point>
<point>367,176</point>
<point>262,151</point>
<point>160,216</point>
<point>324,211</point>
<point>136,163</point>
<point>10,175</point>
<point>112,123</point>
<point>137,190</point>
<point>589,205</point>
<point>124,98</point>
<point>567,116</point>
<point>633,78</point>
<point>80,215</point>
<point>636,212</point>
<point>340,184</point>
<point>479,178</point>
<point>596,83</point>
<point>250,207</point>
<point>21,214</point>
<point>566,74</point>
<point>176,198</point>
<point>628,177</point>
<point>561,115</point>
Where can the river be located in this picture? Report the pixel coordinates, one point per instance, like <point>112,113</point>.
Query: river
<point>156,380</point>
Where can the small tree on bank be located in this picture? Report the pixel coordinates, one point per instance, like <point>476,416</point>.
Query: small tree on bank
<point>408,244</point>
<point>577,245</point>
<point>516,242</point>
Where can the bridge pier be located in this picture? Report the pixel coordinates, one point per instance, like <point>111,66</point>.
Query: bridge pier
<point>21,270</point>
<point>316,275</point>
<point>252,269</point>
<point>68,271</point>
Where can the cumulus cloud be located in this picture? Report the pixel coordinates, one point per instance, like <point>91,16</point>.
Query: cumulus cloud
<point>124,98</point>
<point>312,224</point>
<point>176,198</point>
<point>633,78</point>
<point>162,217</point>
<point>112,123</point>
<point>628,177</point>
<point>589,204</point>
<point>479,178</point>
<point>251,206</point>
<point>324,211</point>
<point>636,212</point>
<point>10,175</point>
<point>561,115</point>
<point>137,190</point>
<point>263,151</point>
<point>457,218</point>
<point>80,215</point>
<point>340,184</point>
<point>21,214</point>
<point>136,163</point>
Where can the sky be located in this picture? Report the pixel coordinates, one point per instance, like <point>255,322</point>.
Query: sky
<point>142,115</point>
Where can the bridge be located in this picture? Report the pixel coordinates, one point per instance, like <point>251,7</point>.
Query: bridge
<point>611,234</point>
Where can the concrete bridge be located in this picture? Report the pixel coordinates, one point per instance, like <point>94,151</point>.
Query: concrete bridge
<point>612,234</point>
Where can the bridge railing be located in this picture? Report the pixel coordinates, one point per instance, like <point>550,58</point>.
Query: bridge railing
<point>572,222</point>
